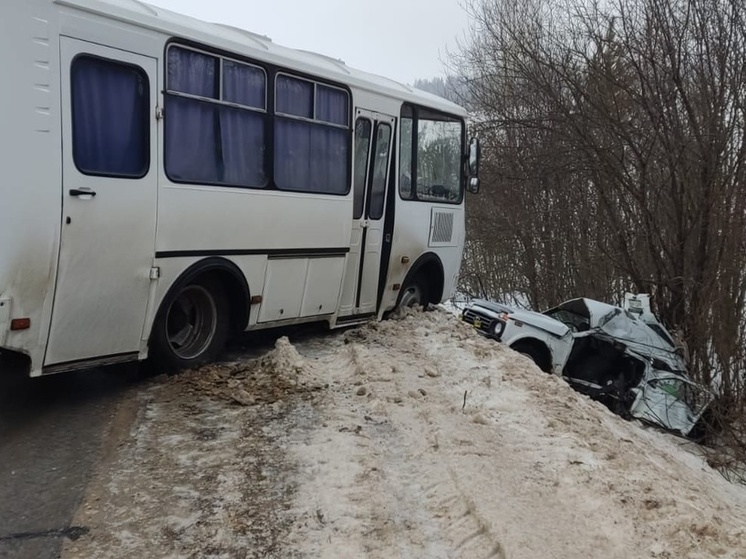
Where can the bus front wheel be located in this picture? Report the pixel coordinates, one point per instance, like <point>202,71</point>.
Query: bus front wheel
<point>191,327</point>
<point>414,294</point>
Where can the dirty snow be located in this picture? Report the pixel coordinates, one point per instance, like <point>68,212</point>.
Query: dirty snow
<point>405,438</point>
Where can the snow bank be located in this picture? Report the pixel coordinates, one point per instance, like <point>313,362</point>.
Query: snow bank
<point>406,438</point>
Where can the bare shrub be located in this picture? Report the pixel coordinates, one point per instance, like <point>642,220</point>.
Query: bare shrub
<point>616,161</point>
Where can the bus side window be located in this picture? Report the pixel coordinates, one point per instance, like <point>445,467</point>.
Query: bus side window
<point>312,138</point>
<point>110,111</point>
<point>207,140</point>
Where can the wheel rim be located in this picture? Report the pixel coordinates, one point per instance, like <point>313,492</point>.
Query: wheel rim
<point>191,322</point>
<point>412,297</point>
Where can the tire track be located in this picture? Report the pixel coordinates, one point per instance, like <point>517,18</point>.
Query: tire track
<point>445,511</point>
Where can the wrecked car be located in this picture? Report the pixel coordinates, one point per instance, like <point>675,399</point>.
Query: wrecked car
<point>621,356</point>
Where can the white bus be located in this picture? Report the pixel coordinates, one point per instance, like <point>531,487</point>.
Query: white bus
<point>166,180</point>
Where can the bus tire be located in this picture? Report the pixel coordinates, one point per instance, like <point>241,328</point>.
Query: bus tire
<point>414,294</point>
<point>191,327</point>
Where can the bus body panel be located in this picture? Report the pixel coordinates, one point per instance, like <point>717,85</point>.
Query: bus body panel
<point>250,219</point>
<point>412,240</point>
<point>31,170</point>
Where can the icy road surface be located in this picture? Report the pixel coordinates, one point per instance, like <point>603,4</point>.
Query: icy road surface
<point>406,438</point>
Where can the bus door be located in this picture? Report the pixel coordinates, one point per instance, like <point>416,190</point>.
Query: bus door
<point>374,136</point>
<point>109,180</point>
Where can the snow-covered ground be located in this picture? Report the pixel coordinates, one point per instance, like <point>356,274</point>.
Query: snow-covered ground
<point>407,438</point>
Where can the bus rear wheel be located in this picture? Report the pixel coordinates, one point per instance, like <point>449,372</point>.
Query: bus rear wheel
<point>191,327</point>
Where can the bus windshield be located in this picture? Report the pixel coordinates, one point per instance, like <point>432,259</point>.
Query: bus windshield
<point>438,156</point>
<point>438,159</point>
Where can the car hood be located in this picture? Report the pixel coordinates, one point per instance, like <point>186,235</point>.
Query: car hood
<point>535,319</point>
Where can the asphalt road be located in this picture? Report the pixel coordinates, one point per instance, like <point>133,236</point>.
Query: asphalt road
<point>51,435</point>
<point>51,431</point>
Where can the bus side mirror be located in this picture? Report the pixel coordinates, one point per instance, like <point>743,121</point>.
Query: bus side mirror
<point>474,156</point>
<point>473,185</point>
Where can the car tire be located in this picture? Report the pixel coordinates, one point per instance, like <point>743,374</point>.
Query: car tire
<point>191,327</point>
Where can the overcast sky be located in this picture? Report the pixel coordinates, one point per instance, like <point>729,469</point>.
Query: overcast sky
<point>399,39</point>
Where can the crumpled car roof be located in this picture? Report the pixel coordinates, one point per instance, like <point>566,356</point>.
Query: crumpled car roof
<point>639,336</point>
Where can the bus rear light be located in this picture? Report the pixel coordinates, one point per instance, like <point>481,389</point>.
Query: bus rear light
<point>20,324</point>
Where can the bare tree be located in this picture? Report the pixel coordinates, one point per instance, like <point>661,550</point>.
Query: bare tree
<point>615,160</point>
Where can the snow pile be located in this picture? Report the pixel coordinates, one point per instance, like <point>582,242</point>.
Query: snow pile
<point>405,438</point>
<point>440,443</point>
<point>269,379</point>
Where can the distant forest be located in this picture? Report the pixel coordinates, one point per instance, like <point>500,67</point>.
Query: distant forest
<point>448,88</point>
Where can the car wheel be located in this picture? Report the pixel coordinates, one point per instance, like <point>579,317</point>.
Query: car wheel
<point>534,352</point>
<point>191,327</point>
